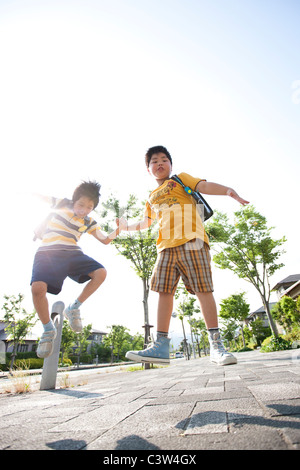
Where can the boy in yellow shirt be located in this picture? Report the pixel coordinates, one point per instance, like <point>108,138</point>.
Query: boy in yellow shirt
<point>183,251</point>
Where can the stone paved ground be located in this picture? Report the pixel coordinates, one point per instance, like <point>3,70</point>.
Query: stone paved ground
<point>190,405</point>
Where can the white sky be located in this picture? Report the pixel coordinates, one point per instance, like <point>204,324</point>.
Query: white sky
<point>86,87</point>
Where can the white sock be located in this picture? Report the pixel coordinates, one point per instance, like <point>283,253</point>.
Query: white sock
<point>49,326</point>
<point>75,305</point>
<point>160,334</point>
<point>212,331</point>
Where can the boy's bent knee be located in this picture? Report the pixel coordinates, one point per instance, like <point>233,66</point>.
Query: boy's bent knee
<point>99,275</point>
<point>39,288</point>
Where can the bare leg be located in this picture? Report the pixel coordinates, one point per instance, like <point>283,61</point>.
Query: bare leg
<point>164,311</point>
<point>40,301</point>
<point>208,309</point>
<point>97,278</point>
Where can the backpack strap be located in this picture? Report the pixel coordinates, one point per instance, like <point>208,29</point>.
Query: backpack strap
<point>207,210</point>
<point>186,188</point>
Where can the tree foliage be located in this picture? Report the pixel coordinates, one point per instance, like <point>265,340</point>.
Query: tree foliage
<point>247,248</point>
<point>235,308</point>
<point>287,312</point>
<point>19,322</point>
<point>116,339</point>
<point>139,247</point>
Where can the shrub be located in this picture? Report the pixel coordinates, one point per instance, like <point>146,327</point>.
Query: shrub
<point>245,349</point>
<point>29,363</point>
<point>20,358</point>
<point>293,335</point>
<point>272,343</point>
<point>84,359</point>
<point>66,362</point>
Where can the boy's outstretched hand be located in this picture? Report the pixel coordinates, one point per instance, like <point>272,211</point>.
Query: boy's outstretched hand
<point>122,223</point>
<point>232,193</point>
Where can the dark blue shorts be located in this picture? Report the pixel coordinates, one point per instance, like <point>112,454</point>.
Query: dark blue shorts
<point>54,266</point>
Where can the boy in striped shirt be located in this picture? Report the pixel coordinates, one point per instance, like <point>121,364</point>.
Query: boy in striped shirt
<point>59,257</point>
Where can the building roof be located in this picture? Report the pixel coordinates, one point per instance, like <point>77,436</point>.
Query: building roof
<point>3,335</point>
<point>288,281</point>
<point>293,289</point>
<point>261,309</point>
<point>98,332</point>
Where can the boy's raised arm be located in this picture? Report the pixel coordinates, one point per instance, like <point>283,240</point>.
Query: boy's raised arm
<point>106,239</point>
<point>140,225</point>
<point>41,197</point>
<point>216,189</point>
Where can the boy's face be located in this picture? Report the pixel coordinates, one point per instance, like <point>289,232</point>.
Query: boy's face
<point>160,167</point>
<point>83,206</point>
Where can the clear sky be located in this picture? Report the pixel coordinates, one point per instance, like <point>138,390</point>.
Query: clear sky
<point>86,87</point>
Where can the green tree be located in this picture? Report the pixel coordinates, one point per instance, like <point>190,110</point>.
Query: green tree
<point>185,308</point>
<point>19,322</point>
<point>200,333</point>
<point>247,249</point>
<point>81,340</point>
<point>228,331</point>
<point>287,312</point>
<point>68,338</point>
<point>136,342</point>
<point>259,331</point>
<point>116,339</point>
<point>103,352</point>
<point>236,308</point>
<point>138,247</point>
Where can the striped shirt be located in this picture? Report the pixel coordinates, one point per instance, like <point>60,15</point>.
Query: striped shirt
<point>63,228</point>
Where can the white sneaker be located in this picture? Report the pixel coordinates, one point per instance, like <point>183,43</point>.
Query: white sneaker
<point>218,353</point>
<point>45,346</point>
<point>74,319</point>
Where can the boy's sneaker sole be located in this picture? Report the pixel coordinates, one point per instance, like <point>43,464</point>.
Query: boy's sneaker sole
<point>226,361</point>
<point>153,360</point>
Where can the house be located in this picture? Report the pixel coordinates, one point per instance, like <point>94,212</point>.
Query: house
<point>29,344</point>
<point>289,286</point>
<point>96,337</point>
<point>31,341</point>
<point>260,313</point>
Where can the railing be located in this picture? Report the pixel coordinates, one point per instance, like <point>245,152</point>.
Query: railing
<point>50,367</point>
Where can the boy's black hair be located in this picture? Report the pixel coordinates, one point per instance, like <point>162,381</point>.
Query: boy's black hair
<point>156,149</point>
<point>90,189</point>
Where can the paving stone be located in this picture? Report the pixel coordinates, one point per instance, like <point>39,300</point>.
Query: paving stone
<point>189,405</point>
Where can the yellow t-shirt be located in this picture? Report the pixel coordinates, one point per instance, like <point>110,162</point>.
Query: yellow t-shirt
<point>178,218</point>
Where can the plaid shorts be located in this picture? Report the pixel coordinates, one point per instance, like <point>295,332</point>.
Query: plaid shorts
<point>190,261</point>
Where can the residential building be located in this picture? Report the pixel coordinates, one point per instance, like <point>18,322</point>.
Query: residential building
<point>29,344</point>
<point>96,337</point>
<point>288,286</point>
<point>260,313</point>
